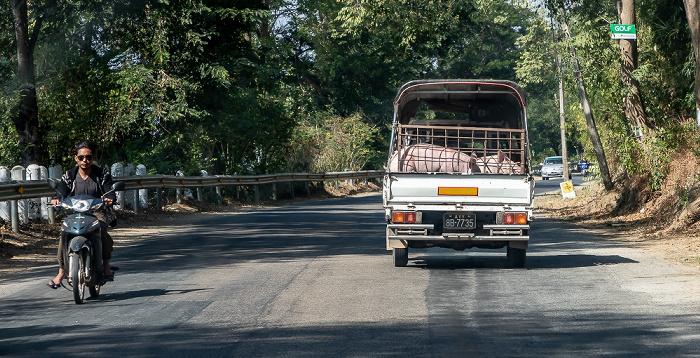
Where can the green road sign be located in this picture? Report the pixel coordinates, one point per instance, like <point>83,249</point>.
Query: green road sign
<point>627,32</point>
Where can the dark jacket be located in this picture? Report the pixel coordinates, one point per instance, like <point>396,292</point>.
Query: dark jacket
<point>101,176</point>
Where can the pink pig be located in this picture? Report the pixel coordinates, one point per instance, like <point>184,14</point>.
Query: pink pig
<point>432,158</point>
<point>499,163</point>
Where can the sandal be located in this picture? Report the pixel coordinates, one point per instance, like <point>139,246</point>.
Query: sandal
<point>53,285</point>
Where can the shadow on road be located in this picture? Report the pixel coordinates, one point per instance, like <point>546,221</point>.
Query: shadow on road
<point>335,227</point>
<point>534,261</point>
<point>123,296</point>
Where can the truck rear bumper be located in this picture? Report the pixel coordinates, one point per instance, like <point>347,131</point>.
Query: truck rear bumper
<point>459,237</point>
<point>398,235</point>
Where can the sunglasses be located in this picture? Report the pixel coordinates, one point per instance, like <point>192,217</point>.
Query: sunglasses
<point>81,157</point>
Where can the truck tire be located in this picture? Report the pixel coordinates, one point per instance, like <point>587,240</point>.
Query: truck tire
<point>516,257</point>
<point>400,256</point>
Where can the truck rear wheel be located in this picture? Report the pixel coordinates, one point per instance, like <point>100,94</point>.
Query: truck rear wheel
<point>400,257</point>
<point>516,257</point>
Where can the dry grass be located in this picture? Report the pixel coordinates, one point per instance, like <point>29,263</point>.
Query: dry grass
<point>664,223</point>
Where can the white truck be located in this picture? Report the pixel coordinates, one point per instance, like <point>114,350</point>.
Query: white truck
<point>458,174</point>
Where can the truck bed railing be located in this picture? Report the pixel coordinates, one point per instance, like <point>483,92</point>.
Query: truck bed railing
<point>457,149</point>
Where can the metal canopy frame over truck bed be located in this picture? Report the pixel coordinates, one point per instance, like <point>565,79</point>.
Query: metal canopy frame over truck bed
<point>459,155</point>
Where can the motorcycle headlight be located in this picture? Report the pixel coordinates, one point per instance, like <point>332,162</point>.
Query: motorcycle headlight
<point>80,205</point>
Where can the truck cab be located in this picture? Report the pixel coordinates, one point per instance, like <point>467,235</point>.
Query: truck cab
<point>458,172</point>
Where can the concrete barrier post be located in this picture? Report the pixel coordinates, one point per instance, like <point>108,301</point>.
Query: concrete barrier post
<point>117,172</point>
<point>143,193</point>
<point>19,173</point>
<point>44,202</point>
<point>4,205</point>
<point>178,192</point>
<point>33,173</point>
<point>129,195</point>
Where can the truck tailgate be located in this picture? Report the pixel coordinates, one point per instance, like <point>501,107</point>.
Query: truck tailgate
<point>454,188</point>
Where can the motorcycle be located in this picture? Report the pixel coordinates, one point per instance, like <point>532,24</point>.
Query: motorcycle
<point>82,237</point>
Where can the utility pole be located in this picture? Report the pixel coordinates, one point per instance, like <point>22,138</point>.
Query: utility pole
<point>588,114</point>
<point>562,122</point>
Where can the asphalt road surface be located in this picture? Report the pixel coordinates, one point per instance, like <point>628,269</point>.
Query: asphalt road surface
<point>315,280</point>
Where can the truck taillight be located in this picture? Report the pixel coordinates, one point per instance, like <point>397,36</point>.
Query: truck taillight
<point>404,217</point>
<point>514,219</point>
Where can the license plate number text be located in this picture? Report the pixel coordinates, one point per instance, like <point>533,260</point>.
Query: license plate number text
<point>459,221</point>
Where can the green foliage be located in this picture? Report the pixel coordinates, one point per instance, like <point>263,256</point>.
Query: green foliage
<point>326,142</point>
<point>253,87</point>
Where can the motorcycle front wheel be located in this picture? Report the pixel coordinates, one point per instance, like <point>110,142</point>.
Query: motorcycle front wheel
<point>78,275</point>
<point>94,291</point>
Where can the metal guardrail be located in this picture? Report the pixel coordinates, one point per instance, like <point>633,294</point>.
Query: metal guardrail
<point>32,189</point>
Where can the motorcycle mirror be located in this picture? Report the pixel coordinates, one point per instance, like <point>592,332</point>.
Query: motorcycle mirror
<point>118,186</point>
<point>52,183</point>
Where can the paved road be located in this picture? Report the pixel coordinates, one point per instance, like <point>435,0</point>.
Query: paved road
<point>314,280</point>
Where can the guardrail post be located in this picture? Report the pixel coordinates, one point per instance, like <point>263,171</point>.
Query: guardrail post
<point>159,199</point>
<point>291,189</point>
<point>274,191</point>
<point>4,205</point>
<point>19,173</point>
<point>199,189</point>
<point>257,194</point>
<point>348,181</point>
<point>14,213</point>
<point>143,193</point>
<point>308,189</point>
<point>135,200</point>
<point>117,172</point>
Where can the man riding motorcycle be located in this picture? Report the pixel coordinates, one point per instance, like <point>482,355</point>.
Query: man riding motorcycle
<point>87,179</point>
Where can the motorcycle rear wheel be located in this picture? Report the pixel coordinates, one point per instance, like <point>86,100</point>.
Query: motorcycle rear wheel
<point>78,275</point>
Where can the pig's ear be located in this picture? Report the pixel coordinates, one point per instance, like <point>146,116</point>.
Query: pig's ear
<point>501,156</point>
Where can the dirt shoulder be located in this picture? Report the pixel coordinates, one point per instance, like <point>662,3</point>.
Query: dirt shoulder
<point>645,228</point>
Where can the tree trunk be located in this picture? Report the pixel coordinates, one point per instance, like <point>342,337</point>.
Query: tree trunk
<point>634,105</point>
<point>692,12</point>
<point>26,115</point>
<point>590,121</point>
